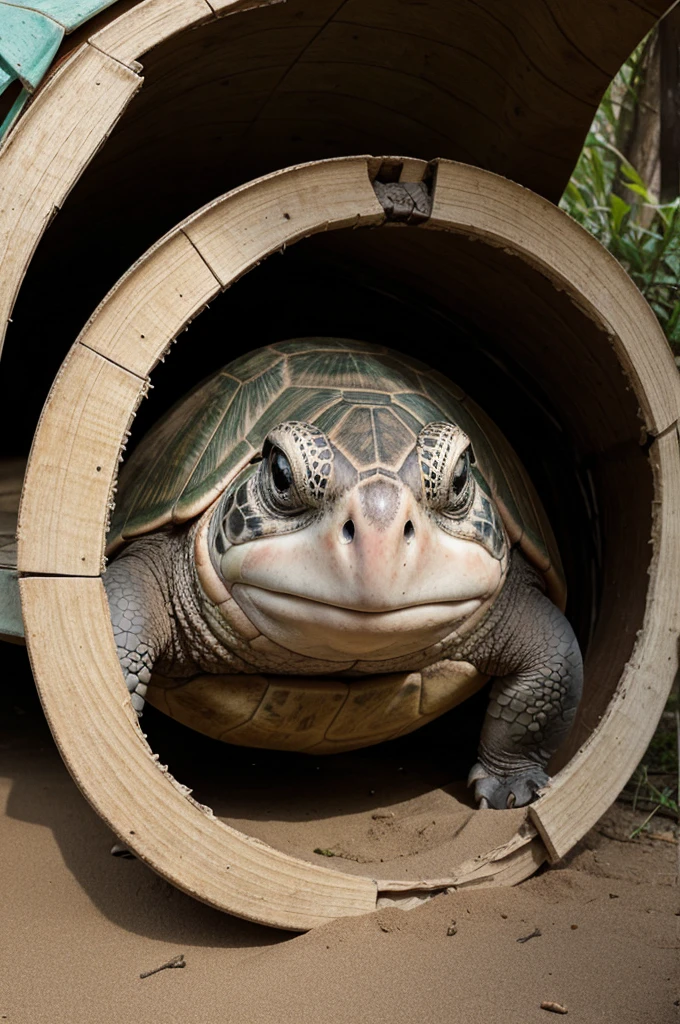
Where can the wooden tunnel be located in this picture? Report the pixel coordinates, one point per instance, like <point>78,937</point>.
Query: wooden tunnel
<point>580,355</point>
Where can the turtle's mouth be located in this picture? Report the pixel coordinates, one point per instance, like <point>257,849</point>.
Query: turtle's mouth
<point>333,632</point>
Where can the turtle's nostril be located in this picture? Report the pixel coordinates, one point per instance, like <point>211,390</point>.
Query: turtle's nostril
<point>348,532</point>
<point>409,531</point>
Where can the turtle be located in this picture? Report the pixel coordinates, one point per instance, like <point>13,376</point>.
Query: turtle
<point>327,544</point>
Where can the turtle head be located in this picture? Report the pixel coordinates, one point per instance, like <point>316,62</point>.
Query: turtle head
<point>336,563</point>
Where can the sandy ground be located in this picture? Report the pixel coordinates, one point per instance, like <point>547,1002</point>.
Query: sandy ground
<point>78,926</point>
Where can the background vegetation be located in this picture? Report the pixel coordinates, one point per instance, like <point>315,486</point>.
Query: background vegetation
<point>614,193</point>
<point>614,190</point>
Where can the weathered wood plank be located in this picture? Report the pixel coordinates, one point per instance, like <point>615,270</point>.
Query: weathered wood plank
<point>73,465</point>
<point>74,661</point>
<point>136,31</point>
<point>151,304</point>
<point>48,150</point>
<point>237,230</point>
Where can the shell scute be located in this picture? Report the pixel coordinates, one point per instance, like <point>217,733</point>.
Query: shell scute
<point>254,364</point>
<point>355,438</point>
<point>295,345</point>
<point>295,403</point>
<point>367,397</point>
<point>151,482</point>
<point>394,440</point>
<point>347,370</point>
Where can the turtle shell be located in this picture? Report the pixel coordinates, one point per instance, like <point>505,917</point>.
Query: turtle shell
<point>369,400</point>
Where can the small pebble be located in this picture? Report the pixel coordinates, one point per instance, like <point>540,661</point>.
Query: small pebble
<point>452,930</point>
<point>121,850</point>
<point>553,1007</point>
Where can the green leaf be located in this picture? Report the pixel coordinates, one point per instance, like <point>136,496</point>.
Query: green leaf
<point>619,210</point>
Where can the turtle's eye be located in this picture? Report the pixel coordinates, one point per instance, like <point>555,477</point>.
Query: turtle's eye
<point>277,483</point>
<point>282,474</point>
<point>460,478</point>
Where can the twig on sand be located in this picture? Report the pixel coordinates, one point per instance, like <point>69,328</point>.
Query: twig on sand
<point>177,961</point>
<point>636,831</point>
<point>534,935</point>
<point>553,1007</point>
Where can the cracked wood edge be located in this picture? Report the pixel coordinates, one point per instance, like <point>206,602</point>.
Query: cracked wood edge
<point>505,865</point>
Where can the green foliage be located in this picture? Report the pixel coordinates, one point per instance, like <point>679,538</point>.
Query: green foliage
<point>641,233</point>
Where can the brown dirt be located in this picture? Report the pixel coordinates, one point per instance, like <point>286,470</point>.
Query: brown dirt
<point>79,926</point>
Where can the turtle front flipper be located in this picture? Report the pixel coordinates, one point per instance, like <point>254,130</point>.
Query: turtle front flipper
<point>139,616</point>
<point>536,659</point>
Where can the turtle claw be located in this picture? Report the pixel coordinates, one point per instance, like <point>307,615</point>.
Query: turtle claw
<point>506,791</point>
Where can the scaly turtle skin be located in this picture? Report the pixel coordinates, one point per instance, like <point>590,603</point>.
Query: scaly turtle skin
<point>327,544</point>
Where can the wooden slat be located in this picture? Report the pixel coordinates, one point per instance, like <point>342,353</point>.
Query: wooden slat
<point>140,29</point>
<point>151,304</point>
<point>237,230</point>
<point>75,664</point>
<point>501,213</point>
<point>72,466</point>
<point>592,780</point>
<point>175,279</point>
<point>48,150</point>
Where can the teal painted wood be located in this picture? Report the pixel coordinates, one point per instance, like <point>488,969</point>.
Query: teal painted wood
<point>28,42</point>
<point>11,622</point>
<point>67,13</point>
<point>31,32</point>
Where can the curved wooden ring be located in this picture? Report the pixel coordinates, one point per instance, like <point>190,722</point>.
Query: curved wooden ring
<point>68,492</point>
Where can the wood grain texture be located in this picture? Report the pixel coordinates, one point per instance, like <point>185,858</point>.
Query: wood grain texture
<point>500,213</point>
<point>73,464</point>
<point>47,151</point>
<point>74,659</point>
<point>151,304</point>
<point>236,231</point>
<point>592,780</point>
<point>140,29</point>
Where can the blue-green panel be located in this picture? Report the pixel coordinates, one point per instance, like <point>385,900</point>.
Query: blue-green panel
<point>68,13</point>
<point>28,42</point>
